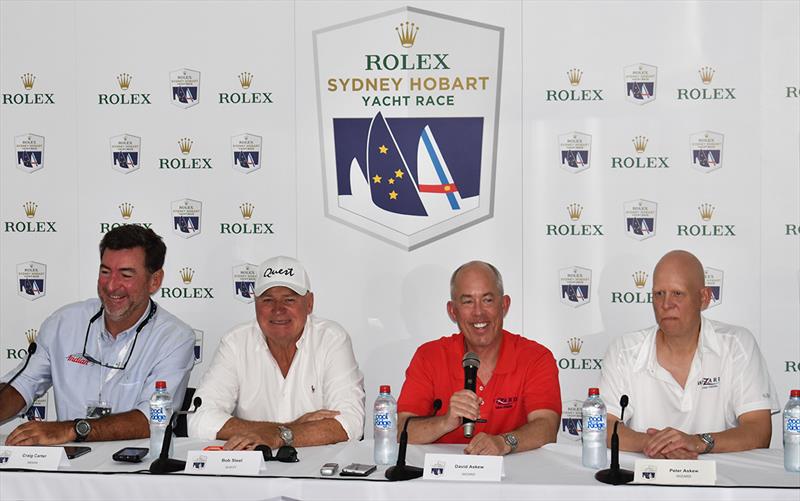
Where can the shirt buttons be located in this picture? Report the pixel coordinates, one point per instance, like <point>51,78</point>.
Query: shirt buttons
<point>480,388</point>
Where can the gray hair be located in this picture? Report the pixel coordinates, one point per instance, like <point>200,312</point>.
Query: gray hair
<point>498,278</point>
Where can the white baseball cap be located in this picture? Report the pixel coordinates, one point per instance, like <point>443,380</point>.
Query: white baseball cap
<point>282,271</point>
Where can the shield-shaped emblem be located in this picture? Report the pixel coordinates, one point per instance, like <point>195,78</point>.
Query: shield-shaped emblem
<point>244,282</point>
<point>246,149</point>
<point>185,87</point>
<point>31,280</point>
<point>571,420</point>
<point>714,283</point>
<point>125,150</point>
<point>423,167</point>
<point>576,286</point>
<point>575,149</point>
<point>186,217</point>
<point>38,410</point>
<point>706,147</point>
<point>640,83</point>
<point>640,219</point>
<point>30,152</point>
<point>198,346</point>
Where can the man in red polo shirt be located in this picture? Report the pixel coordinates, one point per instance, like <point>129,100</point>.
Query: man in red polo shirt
<point>517,391</point>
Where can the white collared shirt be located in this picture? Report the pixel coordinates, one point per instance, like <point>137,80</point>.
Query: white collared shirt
<point>245,381</point>
<point>728,377</point>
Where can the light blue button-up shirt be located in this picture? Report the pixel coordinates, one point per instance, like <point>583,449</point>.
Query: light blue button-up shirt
<point>163,351</point>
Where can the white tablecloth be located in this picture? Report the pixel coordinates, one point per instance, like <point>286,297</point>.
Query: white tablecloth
<point>553,472</point>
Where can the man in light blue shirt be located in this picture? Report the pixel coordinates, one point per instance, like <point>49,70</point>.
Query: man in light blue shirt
<point>103,357</point>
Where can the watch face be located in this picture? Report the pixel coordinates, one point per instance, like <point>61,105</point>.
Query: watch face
<point>83,428</point>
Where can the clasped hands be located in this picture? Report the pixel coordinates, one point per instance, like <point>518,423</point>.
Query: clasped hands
<point>670,443</point>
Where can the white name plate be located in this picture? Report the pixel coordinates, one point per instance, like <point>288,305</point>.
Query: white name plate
<point>224,462</point>
<point>675,472</point>
<point>463,467</point>
<point>33,458</point>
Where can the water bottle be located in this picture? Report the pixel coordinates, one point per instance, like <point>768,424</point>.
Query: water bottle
<point>385,431</point>
<point>160,413</point>
<point>791,432</point>
<point>593,436</point>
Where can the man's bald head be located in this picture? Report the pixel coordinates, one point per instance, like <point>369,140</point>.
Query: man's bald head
<point>685,264</point>
<point>679,293</point>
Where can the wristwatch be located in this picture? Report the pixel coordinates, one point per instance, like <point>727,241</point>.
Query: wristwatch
<point>82,429</point>
<point>708,440</point>
<point>511,440</point>
<point>286,435</point>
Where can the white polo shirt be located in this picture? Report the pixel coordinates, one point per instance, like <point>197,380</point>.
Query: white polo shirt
<point>728,378</point>
<point>245,381</point>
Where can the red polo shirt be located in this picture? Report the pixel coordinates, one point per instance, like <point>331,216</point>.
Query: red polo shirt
<point>524,380</point>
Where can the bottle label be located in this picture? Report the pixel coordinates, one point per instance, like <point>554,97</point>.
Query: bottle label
<point>383,421</point>
<point>792,424</point>
<point>158,415</point>
<point>596,423</point>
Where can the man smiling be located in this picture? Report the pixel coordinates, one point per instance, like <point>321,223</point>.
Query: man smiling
<point>517,390</point>
<point>102,358</point>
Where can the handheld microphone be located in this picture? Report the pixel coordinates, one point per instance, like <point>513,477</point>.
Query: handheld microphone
<point>31,351</point>
<point>614,475</point>
<point>164,464</point>
<point>400,471</point>
<point>470,363</point>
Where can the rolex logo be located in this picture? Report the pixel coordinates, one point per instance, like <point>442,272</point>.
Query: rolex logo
<point>124,81</point>
<point>407,33</point>
<point>30,208</point>
<point>640,143</point>
<point>706,211</point>
<point>186,275</point>
<point>245,79</point>
<point>30,335</point>
<point>247,210</point>
<point>574,76</point>
<point>640,279</point>
<point>575,344</point>
<point>27,80</point>
<point>706,74</point>
<point>575,211</point>
<point>185,145</point>
<point>126,210</point>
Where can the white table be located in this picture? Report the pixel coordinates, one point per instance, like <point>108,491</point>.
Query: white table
<point>553,472</point>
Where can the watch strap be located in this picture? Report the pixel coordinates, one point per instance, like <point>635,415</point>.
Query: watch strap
<point>708,440</point>
<point>511,440</point>
<point>79,425</point>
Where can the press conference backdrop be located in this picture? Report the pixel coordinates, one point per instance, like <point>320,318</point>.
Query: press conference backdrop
<point>569,143</point>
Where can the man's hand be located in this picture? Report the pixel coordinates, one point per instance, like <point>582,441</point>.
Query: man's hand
<point>484,444</point>
<point>42,433</point>
<point>248,440</point>
<point>463,404</point>
<point>672,444</point>
<point>315,416</point>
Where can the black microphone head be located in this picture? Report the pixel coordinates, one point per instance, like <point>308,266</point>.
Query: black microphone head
<point>437,405</point>
<point>623,401</point>
<point>31,349</point>
<point>470,360</point>
<point>197,402</point>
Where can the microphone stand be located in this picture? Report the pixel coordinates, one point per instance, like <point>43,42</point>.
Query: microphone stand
<point>615,475</point>
<point>164,464</point>
<point>401,471</point>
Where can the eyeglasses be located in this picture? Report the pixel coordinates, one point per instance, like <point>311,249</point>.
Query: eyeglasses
<point>97,315</point>
<point>286,454</point>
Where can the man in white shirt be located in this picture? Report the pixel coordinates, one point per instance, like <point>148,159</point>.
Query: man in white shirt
<point>285,378</point>
<point>695,385</point>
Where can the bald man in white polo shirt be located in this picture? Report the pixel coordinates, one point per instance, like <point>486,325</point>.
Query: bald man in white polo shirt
<point>695,385</point>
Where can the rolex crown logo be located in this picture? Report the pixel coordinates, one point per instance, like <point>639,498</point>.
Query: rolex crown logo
<point>30,208</point>
<point>124,80</point>
<point>126,210</point>
<point>27,80</point>
<point>640,279</point>
<point>706,74</point>
<point>30,335</point>
<point>247,210</point>
<point>575,211</point>
<point>186,275</point>
<point>245,79</point>
<point>575,344</point>
<point>640,143</point>
<point>407,33</point>
<point>574,76</point>
<point>706,211</point>
<point>186,145</point>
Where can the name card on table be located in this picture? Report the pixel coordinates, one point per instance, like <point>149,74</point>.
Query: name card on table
<point>224,462</point>
<point>463,467</point>
<point>675,472</point>
<point>33,458</point>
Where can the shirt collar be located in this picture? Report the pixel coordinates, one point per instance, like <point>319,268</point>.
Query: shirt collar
<point>506,362</point>
<point>708,342</point>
